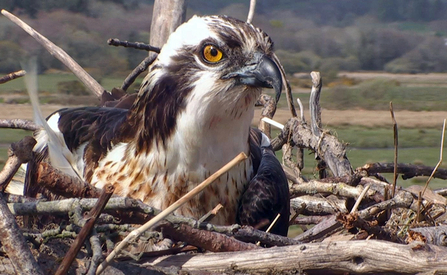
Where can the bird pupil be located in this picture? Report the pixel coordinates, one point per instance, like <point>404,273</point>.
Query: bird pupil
<point>213,52</point>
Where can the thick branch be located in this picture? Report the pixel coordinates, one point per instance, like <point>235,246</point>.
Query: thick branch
<point>19,124</point>
<point>358,257</point>
<point>314,205</point>
<point>327,147</point>
<point>19,152</point>
<point>64,185</point>
<point>434,235</point>
<point>336,188</point>
<point>164,23</point>
<point>407,171</point>
<point>14,243</point>
<point>329,225</point>
<point>250,234</point>
<point>208,240</point>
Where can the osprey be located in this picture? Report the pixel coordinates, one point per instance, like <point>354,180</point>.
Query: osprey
<point>190,117</point>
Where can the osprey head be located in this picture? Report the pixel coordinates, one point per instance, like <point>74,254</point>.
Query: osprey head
<point>220,53</point>
<point>210,72</point>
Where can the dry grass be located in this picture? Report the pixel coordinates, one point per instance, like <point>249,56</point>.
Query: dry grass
<point>369,118</point>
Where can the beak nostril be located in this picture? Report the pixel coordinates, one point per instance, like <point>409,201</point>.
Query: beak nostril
<point>261,71</point>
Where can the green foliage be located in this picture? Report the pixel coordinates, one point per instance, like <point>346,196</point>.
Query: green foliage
<point>292,62</point>
<point>429,56</point>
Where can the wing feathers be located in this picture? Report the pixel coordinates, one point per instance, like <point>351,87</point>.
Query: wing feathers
<point>60,157</point>
<point>267,194</point>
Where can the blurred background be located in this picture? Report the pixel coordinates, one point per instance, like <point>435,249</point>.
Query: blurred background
<point>368,52</point>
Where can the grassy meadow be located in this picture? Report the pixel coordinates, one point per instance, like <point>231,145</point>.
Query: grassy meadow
<point>417,145</point>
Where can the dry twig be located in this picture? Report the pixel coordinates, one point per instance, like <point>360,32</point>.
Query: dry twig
<point>12,76</point>
<point>137,71</point>
<point>396,143</point>
<point>251,11</point>
<point>136,45</point>
<point>107,192</point>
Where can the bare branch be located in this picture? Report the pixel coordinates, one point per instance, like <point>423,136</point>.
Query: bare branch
<point>300,105</point>
<point>359,199</point>
<point>335,188</point>
<point>164,23</point>
<point>326,146</point>
<point>60,54</point>
<point>396,144</point>
<point>19,152</point>
<point>137,71</point>
<point>19,124</point>
<point>14,243</point>
<point>407,171</point>
<point>62,184</point>
<point>251,11</point>
<point>357,257</point>
<point>268,111</point>
<point>106,193</point>
<point>12,76</point>
<point>208,240</point>
<point>136,45</point>
<point>314,205</point>
<point>314,103</point>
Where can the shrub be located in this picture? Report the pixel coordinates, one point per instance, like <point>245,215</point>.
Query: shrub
<point>73,87</point>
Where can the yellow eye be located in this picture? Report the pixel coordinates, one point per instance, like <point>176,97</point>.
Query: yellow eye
<point>212,54</point>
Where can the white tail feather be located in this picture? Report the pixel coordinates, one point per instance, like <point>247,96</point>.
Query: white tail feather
<point>60,156</point>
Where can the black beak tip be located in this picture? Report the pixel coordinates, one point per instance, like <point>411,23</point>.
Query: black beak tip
<point>266,74</point>
<point>270,70</point>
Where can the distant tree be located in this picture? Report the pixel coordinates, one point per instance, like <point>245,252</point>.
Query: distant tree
<point>438,10</point>
<point>388,10</point>
<point>10,55</point>
<point>418,10</point>
<point>30,7</point>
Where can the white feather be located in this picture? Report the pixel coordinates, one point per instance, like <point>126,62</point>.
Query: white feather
<point>265,142</point>
<point>60,156</point>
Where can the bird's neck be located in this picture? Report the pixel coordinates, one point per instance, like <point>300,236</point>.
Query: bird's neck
<point>210,136</point>
<point>208,129</point>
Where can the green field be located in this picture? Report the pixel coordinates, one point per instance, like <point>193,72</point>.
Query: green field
<point>48,83</point>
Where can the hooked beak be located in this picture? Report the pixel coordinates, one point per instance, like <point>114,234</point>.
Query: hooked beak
<point>262,72</point>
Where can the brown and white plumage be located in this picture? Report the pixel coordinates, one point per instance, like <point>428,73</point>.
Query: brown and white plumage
<point>191,116</point>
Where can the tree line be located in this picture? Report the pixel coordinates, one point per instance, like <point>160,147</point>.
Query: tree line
<point>399,36</point>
